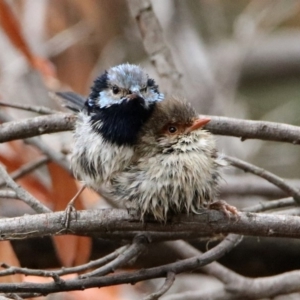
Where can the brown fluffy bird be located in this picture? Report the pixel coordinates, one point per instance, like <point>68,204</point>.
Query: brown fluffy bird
<point>176,165</point>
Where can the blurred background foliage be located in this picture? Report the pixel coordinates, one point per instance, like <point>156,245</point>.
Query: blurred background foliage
<point>237,59</point>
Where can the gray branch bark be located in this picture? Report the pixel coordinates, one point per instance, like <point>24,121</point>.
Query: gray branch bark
<point>116,223</point>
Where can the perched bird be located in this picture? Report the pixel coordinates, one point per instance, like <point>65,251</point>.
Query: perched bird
<point>121,101</point>
<point>176,165</point>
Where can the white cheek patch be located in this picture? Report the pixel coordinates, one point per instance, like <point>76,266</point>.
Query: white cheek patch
<point>151,96</point>
<point>160,97</point>
<point>106,99</point>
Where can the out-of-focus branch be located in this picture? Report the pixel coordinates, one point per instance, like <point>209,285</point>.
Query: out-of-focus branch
<point>268,205</point>
<point>276,180</point>
<point>252,185</point>
<point>155,45</point>
<point>248,288</point>
<point>8,194</point>
<point>37,109</point>
<point>55,156</point>
<point>276,56</point>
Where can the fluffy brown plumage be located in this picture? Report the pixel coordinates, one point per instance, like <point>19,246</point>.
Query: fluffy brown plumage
<point>176,166</point>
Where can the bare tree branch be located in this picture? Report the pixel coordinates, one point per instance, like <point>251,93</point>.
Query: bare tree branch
<point>10,270</point>
<point>126,277</point>
<point>36,126</point>
<point>55,156</point>
<point>22,194</point>
<point>249,129</point>
<point>245,129</point>
<point>116,223</point>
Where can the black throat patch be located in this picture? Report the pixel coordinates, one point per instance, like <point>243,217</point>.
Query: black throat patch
<point>121,123</point>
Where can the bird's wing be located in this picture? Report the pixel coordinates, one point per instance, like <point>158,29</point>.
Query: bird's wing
<point>72,101</point>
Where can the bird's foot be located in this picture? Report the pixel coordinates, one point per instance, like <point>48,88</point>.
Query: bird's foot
<point>71,208</point>
<point>226,208</point>
<point>67,215</point>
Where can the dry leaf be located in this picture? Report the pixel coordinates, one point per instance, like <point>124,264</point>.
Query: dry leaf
<point>70,249</point>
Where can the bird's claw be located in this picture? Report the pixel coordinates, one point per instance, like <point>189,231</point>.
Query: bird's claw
<point>67,215</point>
<point>71,208</point>
<point>227,209</point>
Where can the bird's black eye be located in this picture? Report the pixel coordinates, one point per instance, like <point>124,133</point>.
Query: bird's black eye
<point>115,89</point>
<point>172,129</point>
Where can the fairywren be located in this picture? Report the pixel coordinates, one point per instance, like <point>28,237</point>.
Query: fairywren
<point>176,167</point>
<point>121,101</point>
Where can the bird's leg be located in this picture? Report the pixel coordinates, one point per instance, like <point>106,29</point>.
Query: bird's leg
<point>70,207</point>
<point>226,208</point>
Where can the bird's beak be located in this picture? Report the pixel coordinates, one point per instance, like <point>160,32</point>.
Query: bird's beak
<point>134,95</point>
<point>197,124</point>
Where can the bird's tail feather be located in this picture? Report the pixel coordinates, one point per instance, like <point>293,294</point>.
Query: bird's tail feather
<point>72,101</point>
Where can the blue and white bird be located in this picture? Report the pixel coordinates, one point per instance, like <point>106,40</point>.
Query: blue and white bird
<point>121,101</point>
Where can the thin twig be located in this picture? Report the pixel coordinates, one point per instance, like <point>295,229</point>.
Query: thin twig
<point>276,180</point>
<point>127,277</point>
<point>22,194</point>
<point>164,288</point>
<point>132,252</point>
<point>10,270</point>
<point>37,109</point>
<point>268,205</point>
<point>27,168</point>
